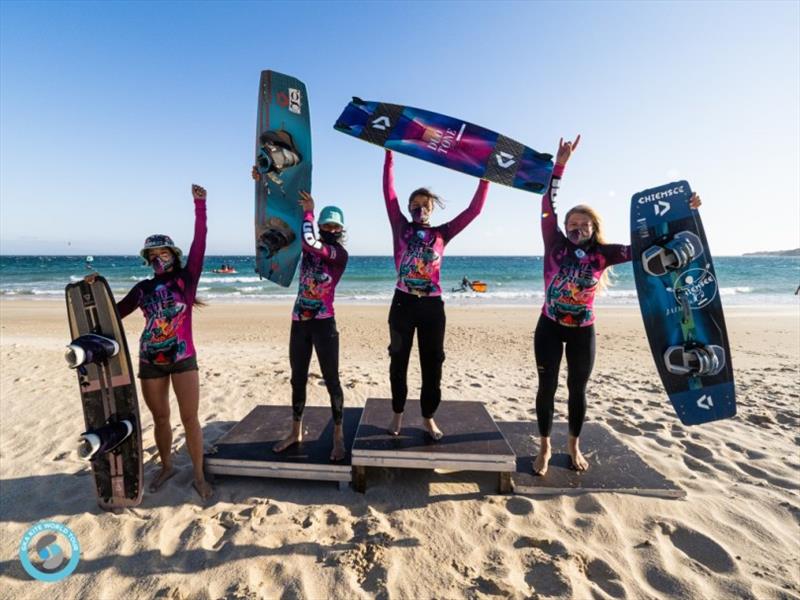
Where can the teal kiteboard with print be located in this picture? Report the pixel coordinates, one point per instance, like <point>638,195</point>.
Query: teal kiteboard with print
<point>680,303</point>
<point>283,161</point>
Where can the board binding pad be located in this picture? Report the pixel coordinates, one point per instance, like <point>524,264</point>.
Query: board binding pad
<point>449,142</point>
<point>680,303</point>
<point>96,442</point>
<point>99,354</point>
<point>283,160</point>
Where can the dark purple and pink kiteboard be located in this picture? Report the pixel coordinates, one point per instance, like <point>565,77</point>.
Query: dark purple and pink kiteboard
<point>448,142</point>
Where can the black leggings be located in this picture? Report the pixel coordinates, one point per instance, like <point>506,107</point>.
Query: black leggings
<point>548,341</point>
<point>426,316</point>
<point>321,335</point>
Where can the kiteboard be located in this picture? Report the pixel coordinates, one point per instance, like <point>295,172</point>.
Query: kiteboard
<point>680,303</point>
<point>283,162</point>
<point>448,142</point>
<point>112,441</point>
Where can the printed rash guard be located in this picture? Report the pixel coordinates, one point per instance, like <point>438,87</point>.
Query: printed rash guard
<point>418,249</point>
<point>166,301</point>
<point>571,272</point>
<point>320,270</point>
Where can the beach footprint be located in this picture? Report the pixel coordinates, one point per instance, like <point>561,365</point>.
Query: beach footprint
<point>601,573</point>
<point>519,506</point>
<point>552,548</point>
<point>492,587</point>
<point>665,583</point>
<point>546,579</point>
<point>753,471</point>
<point>700,548</point>
<point>699,452</point>
<point>588,505</point>
<point>622,427</point>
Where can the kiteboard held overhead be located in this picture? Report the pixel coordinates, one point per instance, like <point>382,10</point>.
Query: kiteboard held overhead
<point>449,142</point>
<point>282,169</point>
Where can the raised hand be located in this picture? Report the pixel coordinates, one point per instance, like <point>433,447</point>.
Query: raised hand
<point>198,192</point>
<point>306,201</point>
<point>565,150</point>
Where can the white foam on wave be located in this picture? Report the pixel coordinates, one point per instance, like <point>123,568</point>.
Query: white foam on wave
<point>239,298</point>
<point>612,293</point>
<point>235,279</point>
<point>731,291</point>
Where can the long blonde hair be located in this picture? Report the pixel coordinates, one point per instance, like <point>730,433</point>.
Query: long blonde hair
<point>597,224</point>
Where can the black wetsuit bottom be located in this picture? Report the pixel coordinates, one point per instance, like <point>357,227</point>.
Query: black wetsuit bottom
<point>548,346</point>
<point>425,315</point>
<point>320,335</point>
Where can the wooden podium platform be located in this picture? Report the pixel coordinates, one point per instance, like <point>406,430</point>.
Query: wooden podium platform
<point>613,467</point>
<point>247,448</point>
<point>472,441</point>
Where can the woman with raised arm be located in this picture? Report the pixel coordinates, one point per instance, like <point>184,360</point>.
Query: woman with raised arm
<point>417,304</point>
<point>166,349</point>
<point>575,266</point>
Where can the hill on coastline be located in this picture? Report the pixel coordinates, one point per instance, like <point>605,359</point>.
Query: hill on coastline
<point>795,252</point>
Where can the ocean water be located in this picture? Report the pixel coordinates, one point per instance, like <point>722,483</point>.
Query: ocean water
<point>750,280</point>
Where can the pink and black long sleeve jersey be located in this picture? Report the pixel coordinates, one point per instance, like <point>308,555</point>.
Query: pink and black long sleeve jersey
<point>166,301</point>
<point>321,268</point>
<point>571,272</point>
<point>418,249</point>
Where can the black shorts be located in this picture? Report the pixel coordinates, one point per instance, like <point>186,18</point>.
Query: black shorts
<point>150,371</point>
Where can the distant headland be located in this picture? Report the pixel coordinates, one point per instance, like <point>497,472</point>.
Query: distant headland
<point>795,252</point>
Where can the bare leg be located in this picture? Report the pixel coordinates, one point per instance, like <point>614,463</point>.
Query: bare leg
<point>396,424</point>
<point>156,396</point>
<point>187,390</point>
<point>432,429</point>
<point>578,460</point>
<point>295,437</point>
<point>543,458</point>
<point>337,453</point>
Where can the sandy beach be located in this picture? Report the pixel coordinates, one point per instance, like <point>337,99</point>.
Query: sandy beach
<point>415,534</point>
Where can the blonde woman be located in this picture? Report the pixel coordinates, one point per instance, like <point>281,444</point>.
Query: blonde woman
<point>575,266</point>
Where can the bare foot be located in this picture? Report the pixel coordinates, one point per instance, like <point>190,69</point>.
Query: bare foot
<point>161,477</point>
<point>579,463</point>
<point>433,430</point>
<point>397,424</point>
<point>293,438</point>
<point>543,458</point>
<point>338,451</point>
<point>203,488</point>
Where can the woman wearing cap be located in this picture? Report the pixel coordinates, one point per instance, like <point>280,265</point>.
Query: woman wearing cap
<point>313,323</point>
<point>166,350</point>
<point>417,304</point>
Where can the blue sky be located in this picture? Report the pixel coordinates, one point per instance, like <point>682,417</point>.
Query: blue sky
<point>109,111</point>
